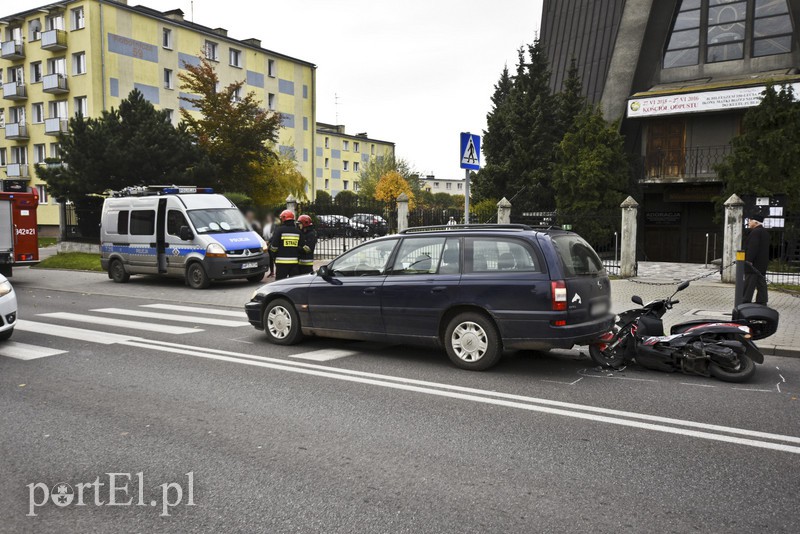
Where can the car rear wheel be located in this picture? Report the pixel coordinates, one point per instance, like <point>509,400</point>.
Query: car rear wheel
<point>196,276</point>
<point>281,323</point>
<point>472,342</point>
<point>117,272</point>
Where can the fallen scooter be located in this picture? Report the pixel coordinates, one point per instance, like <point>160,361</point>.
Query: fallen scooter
<point>707,347</point>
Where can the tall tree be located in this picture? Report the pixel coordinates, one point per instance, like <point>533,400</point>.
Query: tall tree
<point>492,180</point>
<point>390,186</point>
<point>570,101</point>
<point>590,176</point>
<point>375,168</point>
<point>238,135</point>
<point>765,159</point>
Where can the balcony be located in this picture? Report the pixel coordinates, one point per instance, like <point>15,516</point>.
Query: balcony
<point>15,91</point>
<point>55,126</point>
<point>12,50</point>
<point>55,84</point>
<point>17,170</point>
<point>54,40</point>
<point>687,165</point>
<point>17,131</point>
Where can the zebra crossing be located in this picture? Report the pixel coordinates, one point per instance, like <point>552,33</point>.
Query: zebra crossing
<point>159,318</point>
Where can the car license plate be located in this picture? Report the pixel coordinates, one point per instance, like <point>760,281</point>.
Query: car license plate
<point>252,265</point>
<point>599,308</point>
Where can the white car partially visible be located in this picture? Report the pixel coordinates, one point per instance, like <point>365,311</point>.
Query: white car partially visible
<point>8,308</point>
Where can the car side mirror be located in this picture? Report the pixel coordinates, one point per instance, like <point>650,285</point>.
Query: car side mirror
<point>636,299</point>
<point>186,234</point>
<point>325,272</point>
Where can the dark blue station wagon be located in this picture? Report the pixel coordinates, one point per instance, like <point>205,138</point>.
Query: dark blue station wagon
<point>473,289</point>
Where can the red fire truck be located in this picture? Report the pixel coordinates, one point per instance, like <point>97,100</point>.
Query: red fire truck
<point>19,240</point>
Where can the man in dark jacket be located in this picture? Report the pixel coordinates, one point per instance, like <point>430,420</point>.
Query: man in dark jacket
<point>309,243</point>
<point>756,248</point>
<point>286,244</point>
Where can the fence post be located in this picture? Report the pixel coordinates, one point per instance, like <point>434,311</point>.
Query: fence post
<point>291,204</point>
<point>504,211</point>
<point>402,212</point>
<point>627,260</point>
<point>732,240</point>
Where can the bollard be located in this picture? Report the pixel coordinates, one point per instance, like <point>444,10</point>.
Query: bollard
<point>706,265</point>
<point>739,288</point>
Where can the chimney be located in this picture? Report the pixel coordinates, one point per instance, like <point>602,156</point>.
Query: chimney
<point>220,31</point>
<point>175,14</point>
<point>253,42</point>
<point>362,134</point>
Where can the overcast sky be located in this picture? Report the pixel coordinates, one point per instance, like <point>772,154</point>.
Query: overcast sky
<point>416,72</point>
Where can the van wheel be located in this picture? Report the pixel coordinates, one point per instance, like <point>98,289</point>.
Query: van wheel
<point>196,276</point>
<point>472,342</point>
<point>281,323</point>
<point>116,271</point>
<point>255,278</point>
<point>5,336</point>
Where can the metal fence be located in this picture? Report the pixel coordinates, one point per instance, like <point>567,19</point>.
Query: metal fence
<point>784,267</point>
<point>341,226</point>
<point>81,225</point>
<point>690,162</point>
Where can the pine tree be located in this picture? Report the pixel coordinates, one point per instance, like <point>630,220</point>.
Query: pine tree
<point>492,180</point>
<point>570,100</point>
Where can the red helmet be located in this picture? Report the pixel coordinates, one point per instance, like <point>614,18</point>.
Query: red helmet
<point>305,221</point>
<point>287,215</point>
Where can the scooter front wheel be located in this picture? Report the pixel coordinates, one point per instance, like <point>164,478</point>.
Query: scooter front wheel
<point>745,371</point>
<point>609,357</point>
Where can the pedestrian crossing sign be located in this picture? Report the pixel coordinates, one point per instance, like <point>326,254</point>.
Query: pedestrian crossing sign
<point>470,151</point>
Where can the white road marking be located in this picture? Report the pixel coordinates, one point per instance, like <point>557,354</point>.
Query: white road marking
<point>23,351</point>
<point>69,332</point>
<point>107,321</point>
<point>173,317</point>
<point>324,355</point>
<point>446,391</point>
<point>697,385</point>
<point>753,389</point>
<point>194,309</point>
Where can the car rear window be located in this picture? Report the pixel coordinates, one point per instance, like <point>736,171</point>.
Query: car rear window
<point>577,256</point>
<point>493,255</point>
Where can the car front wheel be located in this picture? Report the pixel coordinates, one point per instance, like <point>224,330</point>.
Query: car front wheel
<point>117,271</point>
<point>472,342</point>
<point>281,323</point>
<point>196,276</point>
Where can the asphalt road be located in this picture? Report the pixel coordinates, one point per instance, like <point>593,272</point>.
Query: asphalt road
<point>336,436</point>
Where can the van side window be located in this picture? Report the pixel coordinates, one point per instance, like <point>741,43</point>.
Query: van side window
<point>493,255</point>
<point>175,220</point>
<point>143,222</point>
<point>122,222</point>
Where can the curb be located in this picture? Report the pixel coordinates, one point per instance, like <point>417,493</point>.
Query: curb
<point>779,350</point>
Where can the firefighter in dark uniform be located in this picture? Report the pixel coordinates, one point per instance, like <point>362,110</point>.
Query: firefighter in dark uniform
<point>309,242</point>
<point>286,244</point>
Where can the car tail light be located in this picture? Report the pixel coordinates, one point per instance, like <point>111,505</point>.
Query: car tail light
<point>559,295</point>
<point>562,322</point>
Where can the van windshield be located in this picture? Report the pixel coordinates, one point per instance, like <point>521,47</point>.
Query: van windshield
<point>577,256</point>
<point>210,221</point>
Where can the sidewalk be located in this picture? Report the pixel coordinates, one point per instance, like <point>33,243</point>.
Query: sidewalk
<point>704,298</point>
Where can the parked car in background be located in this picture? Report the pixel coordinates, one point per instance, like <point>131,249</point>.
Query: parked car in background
<point>377,225</point>
<point>473,289</point>
<point>339,226</point>
<point>8,308</point>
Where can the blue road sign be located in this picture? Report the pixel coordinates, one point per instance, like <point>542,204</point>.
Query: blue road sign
<point>470,151</point>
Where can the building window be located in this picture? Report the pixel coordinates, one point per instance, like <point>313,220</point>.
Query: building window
<point>210,51</point>
<point>237,95</point>
<point>166,38</point>
<point>772,28</point>
<point>34,30</point>
<point>236,57</point>
<point>39,153</point>
<point>436,185</point>
<point>42,191</point>
<point>79,63</point>
<point>78,20</point>
<point>4,161</point>
<point>19,155</point>
<point>346,165</point>
<point>355,166</point>
<point>460,187</point>
<point>271,101</point>
<point>55,151</point>
<point>170,114</point>
<point>448,186</point>
<point>345,145</point>
<point>16,74</point>
<point>54,22</point>
<point>37,113</point>
<point>81,106</point>
<point>327,163</point>
<point>356,147</point>
<point>726,27</point>
<point>57,66</point>
<point>36,72</point>
<point>346,184</point>
<point>167,78</point>
<point>355,186</point>
<point>683,47</point>
<point>16,115</point>
<point>2,118</point>
<point>327,142</point>
<point>58,109</point>
<point>272,68</point>
<point>372,149</point>
<point>326,180</point>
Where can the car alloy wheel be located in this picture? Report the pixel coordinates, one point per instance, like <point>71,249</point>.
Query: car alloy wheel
<point>279,322</point>
<point>469,341</point>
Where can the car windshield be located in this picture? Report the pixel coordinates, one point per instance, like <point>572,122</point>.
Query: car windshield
<point>210,221</point>
<point>577,256</point>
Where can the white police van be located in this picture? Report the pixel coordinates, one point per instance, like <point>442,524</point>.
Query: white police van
<point>179,231</point>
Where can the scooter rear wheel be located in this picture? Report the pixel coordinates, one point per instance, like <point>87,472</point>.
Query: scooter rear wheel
<point>613,358</point>
<point>746,370</point>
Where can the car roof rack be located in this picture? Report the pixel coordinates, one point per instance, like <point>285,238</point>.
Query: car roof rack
<point>158,190</point>
<point>441,227</point>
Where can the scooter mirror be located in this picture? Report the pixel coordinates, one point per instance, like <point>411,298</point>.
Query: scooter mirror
<point>636,299</point>
<point>683,285</point>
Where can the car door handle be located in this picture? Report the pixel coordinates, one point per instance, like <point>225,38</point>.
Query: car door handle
<point>439,289</point>
<point>369,290</point>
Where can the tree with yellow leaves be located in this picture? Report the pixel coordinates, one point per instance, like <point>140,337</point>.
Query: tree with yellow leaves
<point>390,186</point>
